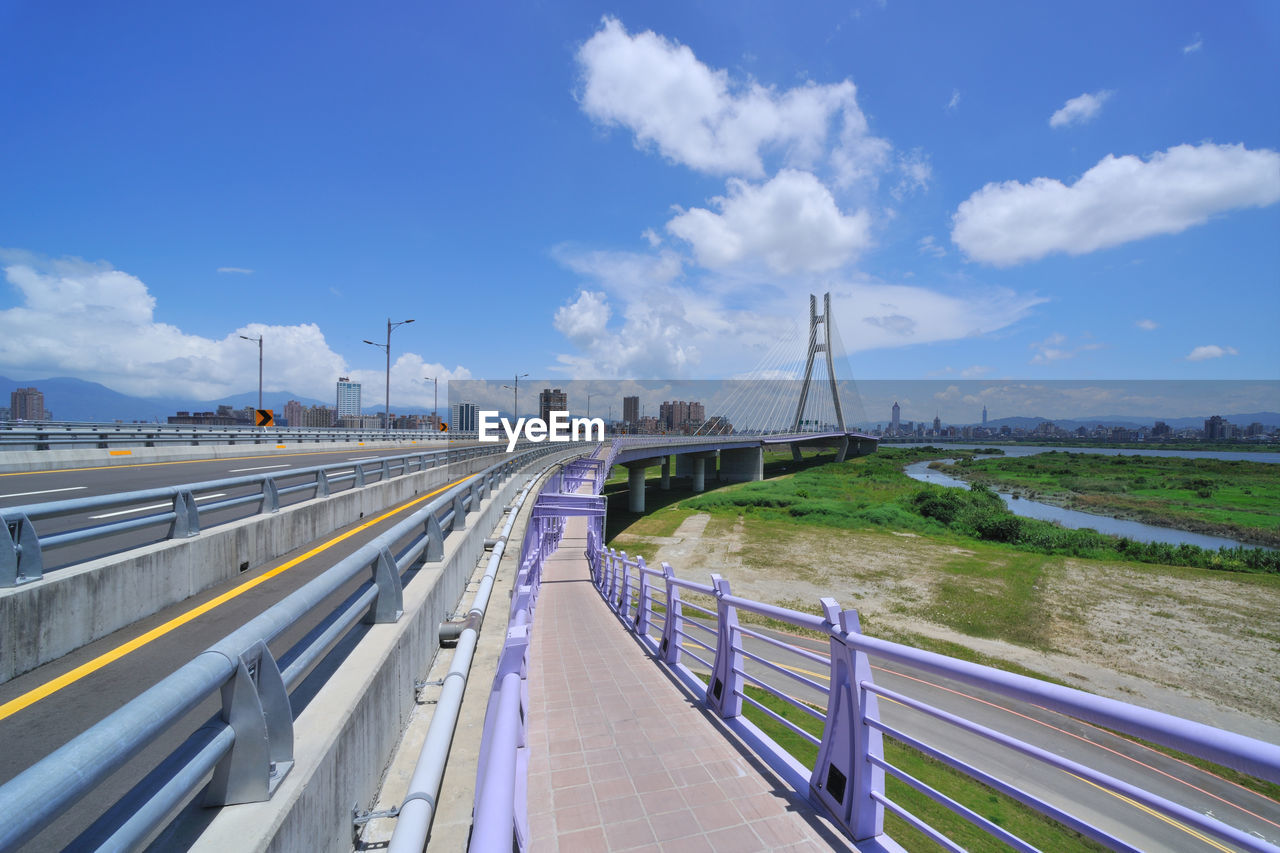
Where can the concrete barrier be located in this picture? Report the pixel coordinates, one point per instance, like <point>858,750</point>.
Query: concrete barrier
<point>346,734</point>
<point>18,461</point>
<point>72,607</point>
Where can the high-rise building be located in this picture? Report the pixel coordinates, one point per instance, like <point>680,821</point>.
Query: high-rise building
<point>1215,428</point>
<point>293,413</point>
<point>631,410</point>
<point>984,415</point>
<point>464,417</point>
<point>896,425</point>
<point>697,413</point>
<point>348,398</point>
<point>552,400</point>
<point>27,404</point>
<point>316,416</point>
<point>937,424</point>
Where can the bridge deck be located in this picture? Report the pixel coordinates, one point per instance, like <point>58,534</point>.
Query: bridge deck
<point>622,758</point>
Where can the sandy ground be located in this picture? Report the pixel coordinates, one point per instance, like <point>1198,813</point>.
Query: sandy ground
<point>1206,648</point>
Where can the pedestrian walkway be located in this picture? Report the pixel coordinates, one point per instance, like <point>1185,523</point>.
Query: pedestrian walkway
<point>622,758</point>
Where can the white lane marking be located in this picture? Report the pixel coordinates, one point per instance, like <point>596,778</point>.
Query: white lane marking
<point>152,506</point>
<point>362,458</point>
<point>45,492</point>
<point>259,468</point>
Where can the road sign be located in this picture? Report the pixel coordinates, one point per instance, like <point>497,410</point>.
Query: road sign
<point>264,417</point>
<point>444,427</point>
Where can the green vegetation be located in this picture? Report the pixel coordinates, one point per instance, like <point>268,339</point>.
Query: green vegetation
<point>1236,499</point>
<point>1009,814</point>
<point>872,492</point>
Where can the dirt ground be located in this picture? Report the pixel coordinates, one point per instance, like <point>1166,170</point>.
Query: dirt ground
<point>1200,645</point>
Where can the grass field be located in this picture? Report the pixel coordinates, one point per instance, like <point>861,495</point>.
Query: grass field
<point>1236,499</point>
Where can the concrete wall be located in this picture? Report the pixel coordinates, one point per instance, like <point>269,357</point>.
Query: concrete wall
<point>346,735</point>
<point>74,606</point>
<point>12,461</point>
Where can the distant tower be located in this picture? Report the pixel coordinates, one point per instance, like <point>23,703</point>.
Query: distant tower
<point>816,346</point>
<point>984,415</point>
<point>897,419</point>
<point>937,423</point>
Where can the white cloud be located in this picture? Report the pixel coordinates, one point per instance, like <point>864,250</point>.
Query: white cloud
<point>1147,325</point>
<point>1080,109</point>
<point>929,246</point>
<point>917,172</point>
<point>1055,348</point>
<point>586,319</point>
<point>975,371</point>
<point>97,323</point>
<point>236,270</point>
<point>1119,200</point>
<point>1194,46</point>
<point>954,102</point>
<point>1210,351</point>
<point>706,120</point>
<point>791,224</point>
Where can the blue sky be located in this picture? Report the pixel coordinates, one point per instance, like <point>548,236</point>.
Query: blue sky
<point>1083,190</point>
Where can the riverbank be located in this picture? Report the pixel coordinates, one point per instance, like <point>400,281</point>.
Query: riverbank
<point>1231,499</point>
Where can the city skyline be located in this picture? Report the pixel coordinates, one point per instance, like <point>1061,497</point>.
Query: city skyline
<point>968,218</point>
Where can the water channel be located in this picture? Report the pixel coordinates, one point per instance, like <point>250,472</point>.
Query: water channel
<point>1075,519</point>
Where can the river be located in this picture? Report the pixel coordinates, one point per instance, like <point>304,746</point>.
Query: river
<point>1031,450</point>
<point>1074,518</point>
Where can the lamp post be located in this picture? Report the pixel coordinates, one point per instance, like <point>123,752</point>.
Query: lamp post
<point>589,396</point>
<point>259,340</point>
<point>386,418</point>
<point>435,399</point>
<point>515,394</point>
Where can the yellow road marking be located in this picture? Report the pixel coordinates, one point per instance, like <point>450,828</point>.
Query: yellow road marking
<point>172,462</point>
<point>29,698</point>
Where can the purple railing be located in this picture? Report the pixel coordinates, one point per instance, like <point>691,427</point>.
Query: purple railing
<point>848,775</point>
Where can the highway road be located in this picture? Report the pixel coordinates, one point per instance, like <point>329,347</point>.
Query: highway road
<point>45,708</point>
<point>1108,753</point>
<point>38,487</point>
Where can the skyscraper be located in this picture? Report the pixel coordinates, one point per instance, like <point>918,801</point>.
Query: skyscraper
<point>348,404</point>
<point>552,400</point>
<point>27,404</point>
<point>464,416</point>
<point>897,419</point>
<point>984,415</point>
<point>631,410</point>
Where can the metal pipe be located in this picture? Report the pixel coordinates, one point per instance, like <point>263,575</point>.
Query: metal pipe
<point>419,807</point>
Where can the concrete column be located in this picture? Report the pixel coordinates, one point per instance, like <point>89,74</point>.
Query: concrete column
<point>795,453</point>
<point>635,485</point>
<point>743,465</point>
<point>699,473</point>
<point>666,474</point>
<point>843,452</point>
<point>684,465</point>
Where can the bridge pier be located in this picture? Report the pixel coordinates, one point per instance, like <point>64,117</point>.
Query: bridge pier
<point>744,465</point>
<point>635,480</point>
<point>699,469</point>
<point>666,474</point>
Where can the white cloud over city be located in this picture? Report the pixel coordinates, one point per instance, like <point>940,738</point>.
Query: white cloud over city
<point>95,322</point>
<point>1080,110</point>
<point>1119,200</point>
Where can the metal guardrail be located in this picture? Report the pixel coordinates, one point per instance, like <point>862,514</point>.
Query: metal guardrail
<point>847,779</point>
<point>849,783</point>
<point>49,436</point>
<point>248,747</point>
<point>22,546</point>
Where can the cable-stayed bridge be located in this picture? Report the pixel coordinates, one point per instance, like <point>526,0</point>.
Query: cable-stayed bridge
<point>242,680</point>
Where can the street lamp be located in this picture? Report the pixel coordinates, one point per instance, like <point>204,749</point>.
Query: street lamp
<point>589,396</point>
<point>259,340</point>
<point>386,418</point>
<point>515,394</point>
<point>435,398</point>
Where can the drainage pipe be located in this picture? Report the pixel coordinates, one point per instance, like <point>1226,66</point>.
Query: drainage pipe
<point>419,806</point>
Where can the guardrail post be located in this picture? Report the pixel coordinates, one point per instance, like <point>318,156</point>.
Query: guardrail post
<point>645,603</point>
<point>389,604</point>
<point>386,470</point>
<point>459,511</point>
<point>322,484</point>
<point>186,516</point>
<point>359,475</point>
<point>843,778</point>
<point>726,675</point>
<point>256,706</point>
<point>670,648</point>
<point>624,588</point>
<point>270,496</point>
<point>20,558</point>
<point>435,539</point>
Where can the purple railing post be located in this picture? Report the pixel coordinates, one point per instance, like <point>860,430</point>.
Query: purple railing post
<point>671,627</point>
<point>624,591</point>
<point>844,778</point>
<point>613,577</point>
<point>724,693</point>
<point>644,604</point>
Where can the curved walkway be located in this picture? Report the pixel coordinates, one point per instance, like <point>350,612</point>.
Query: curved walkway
<point>621,757</point>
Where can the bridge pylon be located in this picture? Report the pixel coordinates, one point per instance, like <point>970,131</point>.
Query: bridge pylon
<point>819,346</point>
